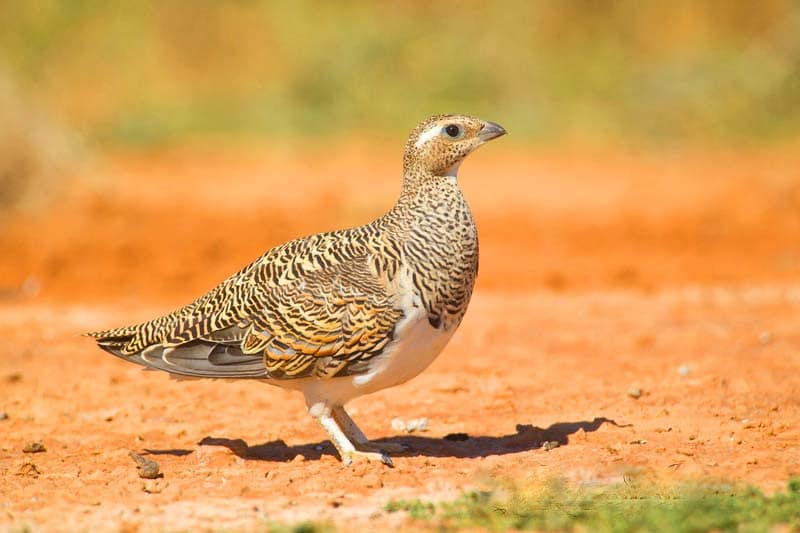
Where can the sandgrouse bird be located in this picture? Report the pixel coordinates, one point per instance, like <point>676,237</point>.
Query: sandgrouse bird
<point>341,314</point>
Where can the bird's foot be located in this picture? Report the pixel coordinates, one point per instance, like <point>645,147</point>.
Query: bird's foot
<point>348,458</point>
<point>388,447</point>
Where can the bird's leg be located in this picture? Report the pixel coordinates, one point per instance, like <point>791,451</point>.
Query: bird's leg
<point>357,436</point>
<point>348,452</point>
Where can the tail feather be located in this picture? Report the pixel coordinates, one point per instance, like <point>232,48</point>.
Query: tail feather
<point>198,358</point>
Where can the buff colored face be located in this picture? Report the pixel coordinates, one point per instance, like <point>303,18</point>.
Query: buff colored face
<point>442,144</point>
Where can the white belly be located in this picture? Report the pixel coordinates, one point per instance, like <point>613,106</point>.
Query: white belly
<point>410,353</point>
<point>414,347</point>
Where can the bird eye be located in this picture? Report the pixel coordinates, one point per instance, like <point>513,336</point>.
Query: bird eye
<point>452,131</point>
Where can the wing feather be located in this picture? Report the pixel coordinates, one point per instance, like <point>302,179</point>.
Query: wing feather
<point>282,317</point>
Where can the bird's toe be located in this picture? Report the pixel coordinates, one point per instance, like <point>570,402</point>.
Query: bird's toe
<point>348,458</point>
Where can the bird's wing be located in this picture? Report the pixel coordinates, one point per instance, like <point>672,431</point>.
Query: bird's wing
<point>324,321</point>
<point>328,322</point>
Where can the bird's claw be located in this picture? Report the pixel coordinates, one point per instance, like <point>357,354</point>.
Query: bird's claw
<point>348,458</point>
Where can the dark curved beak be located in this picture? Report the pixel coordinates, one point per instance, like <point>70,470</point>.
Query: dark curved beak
<point>491,131</point>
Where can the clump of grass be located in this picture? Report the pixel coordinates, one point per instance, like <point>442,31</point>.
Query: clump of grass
<point>301,527</point>
<point>415,508</point>
<point>687,508</point>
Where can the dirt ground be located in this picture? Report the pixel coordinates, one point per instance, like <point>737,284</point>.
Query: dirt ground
<point>642,309</point>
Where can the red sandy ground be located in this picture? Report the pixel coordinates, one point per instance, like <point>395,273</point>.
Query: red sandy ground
<point>675,272</point>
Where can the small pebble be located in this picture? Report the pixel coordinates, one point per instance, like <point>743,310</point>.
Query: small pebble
<point>417,424</point>
<point>34,447</point>
<point>28,469</point>
<point>551,445</point>
<point>765,337</point>
<point>684,370</point>
<point>148,469</point>
<point>410,426</point>
<point>635,392</point>
<point>3,415</point>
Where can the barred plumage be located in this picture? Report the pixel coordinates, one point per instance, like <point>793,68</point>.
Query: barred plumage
<point>340,314</point>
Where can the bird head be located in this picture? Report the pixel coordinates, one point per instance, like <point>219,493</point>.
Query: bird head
<point>439,144</point>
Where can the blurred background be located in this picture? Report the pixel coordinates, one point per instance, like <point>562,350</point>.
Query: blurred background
<point>661,124</point>
<point>148,73</point>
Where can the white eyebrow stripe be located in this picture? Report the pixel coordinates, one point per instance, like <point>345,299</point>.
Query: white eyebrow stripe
<point>427,135</point>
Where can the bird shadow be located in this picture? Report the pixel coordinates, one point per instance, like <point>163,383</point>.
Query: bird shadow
<point>458,445</point>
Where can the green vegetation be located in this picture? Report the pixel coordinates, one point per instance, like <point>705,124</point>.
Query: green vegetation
<point>613,509</point>
<point>302,527</point>
<point>151,72</point>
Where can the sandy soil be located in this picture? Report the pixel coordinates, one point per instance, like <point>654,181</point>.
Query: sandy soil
<point>677,274</point>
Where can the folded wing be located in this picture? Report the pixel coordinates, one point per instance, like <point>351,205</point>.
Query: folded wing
<point>326,322</point>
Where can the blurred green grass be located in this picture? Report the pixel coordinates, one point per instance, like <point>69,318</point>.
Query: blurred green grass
<point>148,72</point>
<point>684,508</point>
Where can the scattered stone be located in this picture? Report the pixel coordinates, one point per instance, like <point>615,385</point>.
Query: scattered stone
<point>3,415</point>
<point>550,445</point>
<point>638,441</point>
<point>456,437</point>
<point>28,469</point>
<point>684,370</point>
<point>417,424</point>
<point>148,469</point>
<point>635,392</point>
<point>14,377</point>
<point>34,447</point>
<point>410,426</point>
<point>765,337</point>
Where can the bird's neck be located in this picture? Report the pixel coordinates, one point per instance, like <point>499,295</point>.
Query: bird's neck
<point>422,187</point>
<point>438,241</point>
<point>429,199</point>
